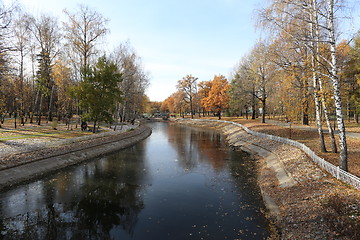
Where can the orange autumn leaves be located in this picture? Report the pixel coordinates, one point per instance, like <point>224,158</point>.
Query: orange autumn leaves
<point>210,96</point>
<point>218,97</point>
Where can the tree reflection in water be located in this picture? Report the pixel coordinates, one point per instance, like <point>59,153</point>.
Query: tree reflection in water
<point>96,199</point>
<point>178,183</point>
<point>197,146</point>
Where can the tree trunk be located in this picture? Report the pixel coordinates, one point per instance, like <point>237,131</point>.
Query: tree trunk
<point>253,116</point>
<point>40,110</point>
<point>50,104</point>
<point>331,131</point>
<point>191,108</point>
<point>263,101</point>
<point>305,104</point>
<point>94,127</point>
<point>336,86</point>
<point>328,122</point>
<point>15,116</point>
<point>319,122</point>
<point>124,111</point>
<point>314,65</point>
<point>305,116</point>
<point>33,106</point>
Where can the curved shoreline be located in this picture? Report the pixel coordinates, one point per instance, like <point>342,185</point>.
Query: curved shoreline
<point>55,159</point>
<point>294,188</point>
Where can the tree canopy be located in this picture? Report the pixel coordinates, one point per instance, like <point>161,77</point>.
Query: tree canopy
<point>98,92</point>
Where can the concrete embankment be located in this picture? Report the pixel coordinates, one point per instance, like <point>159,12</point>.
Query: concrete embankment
<point>294,188</point>
<point>71,156</point>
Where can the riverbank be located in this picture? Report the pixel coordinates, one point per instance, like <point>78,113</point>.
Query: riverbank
<point>304,202</point>
<point>23,166</point>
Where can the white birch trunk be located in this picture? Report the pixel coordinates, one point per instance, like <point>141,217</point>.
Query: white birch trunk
<point>314,34</point>
<point>328,123</point>
<point>336,87</point>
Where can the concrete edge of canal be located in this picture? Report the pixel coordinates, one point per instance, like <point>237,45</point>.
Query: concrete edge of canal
<point>294,188</point>
<point>49,164</point>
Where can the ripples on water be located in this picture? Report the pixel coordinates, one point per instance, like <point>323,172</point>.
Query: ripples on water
<point>180,183</point>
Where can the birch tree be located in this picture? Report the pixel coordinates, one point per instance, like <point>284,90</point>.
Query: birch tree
<point>319,16</point>
<point>336,84</point>
<point>83,31</point>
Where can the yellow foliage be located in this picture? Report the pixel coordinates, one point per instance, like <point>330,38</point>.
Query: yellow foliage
<point>218,98</point>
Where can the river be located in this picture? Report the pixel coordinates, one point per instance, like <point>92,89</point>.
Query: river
<point>180,183</point>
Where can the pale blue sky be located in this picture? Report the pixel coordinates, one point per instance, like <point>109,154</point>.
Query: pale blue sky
<point>174,38</point>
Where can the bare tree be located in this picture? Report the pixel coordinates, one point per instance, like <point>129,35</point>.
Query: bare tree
<point>6,99</point>
<point>47,34</point>
<point>244,85</point>
<point>135,81</point>
<point>21,40</point>
<point>188,85</point>
<point>263,70</point>
<point>83,30</point>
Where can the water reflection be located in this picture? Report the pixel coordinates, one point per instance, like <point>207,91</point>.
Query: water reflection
<point>87,202</point>
<point>181,183</point>
<point>196,145</point>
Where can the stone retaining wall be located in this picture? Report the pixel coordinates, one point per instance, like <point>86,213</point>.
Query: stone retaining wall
<point>54,162</point>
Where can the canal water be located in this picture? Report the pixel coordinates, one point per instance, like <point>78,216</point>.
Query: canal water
<point>180,183</point>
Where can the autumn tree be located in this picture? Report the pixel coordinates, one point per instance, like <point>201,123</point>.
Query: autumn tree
<point>204,89</point>
<point>293,78</point>
<point>21,39</point>
<point>98,93</point>
<point>134,84</point>
<point>145,104</point>
<point>188,86</point>
<point>168,104</point>
<point>155,107</point>
<point>350,74</point>
<point>218,98</point>
<point>243,87</point>
<point>348,80</point>
<point>318,17</point>
<point>83,30</point>
<point>5,47</point>
<point>47,34</point>
<point>263,71</point>
<point>64,84</point>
